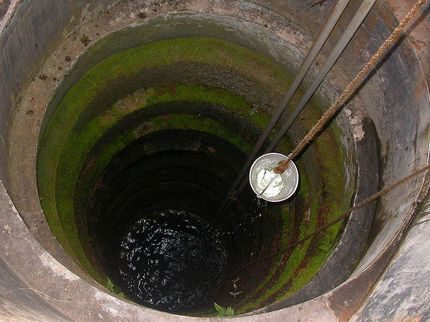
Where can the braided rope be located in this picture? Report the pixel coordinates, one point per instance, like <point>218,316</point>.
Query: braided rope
<point>352,86</point>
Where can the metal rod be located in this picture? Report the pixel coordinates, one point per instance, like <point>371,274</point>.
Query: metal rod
<point>304,68</point>
<point>331,60</point>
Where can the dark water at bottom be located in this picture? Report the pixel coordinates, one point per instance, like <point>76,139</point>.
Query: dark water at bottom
<point>171,260</point>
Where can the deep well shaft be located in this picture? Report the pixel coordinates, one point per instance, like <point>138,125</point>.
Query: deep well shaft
<point>124,124</point>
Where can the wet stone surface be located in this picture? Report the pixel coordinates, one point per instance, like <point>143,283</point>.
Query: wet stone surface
<point>171,260</point>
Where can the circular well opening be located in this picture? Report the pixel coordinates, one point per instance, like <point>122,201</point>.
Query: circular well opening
<point>137,155</point>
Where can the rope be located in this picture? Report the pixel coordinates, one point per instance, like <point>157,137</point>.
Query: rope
<point>351,87</point>
<point>344,215</point>
<point>328,115</point>
<point>359,205</point>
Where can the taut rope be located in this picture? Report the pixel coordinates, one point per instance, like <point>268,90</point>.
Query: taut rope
<point>352,86</point>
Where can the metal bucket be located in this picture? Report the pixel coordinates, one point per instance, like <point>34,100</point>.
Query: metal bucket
<point>271,186</point>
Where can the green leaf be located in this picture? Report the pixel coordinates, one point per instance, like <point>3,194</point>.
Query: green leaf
<point>219,309</point>
<point>110,286</point>
<point>229,311</point>
<point>223,312</point>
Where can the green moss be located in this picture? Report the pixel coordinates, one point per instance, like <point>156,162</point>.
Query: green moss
<point>127,64</point>
<point>90,108</point>
<point>114,289</point>
<point>303,264</point>
<point>285,272</point>
<point>150,125</point>
<point>80,142</point>
<point>303,276</point>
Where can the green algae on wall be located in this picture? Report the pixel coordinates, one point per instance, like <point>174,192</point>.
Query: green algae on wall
<point>91,108</point>
<point>125,65</point>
